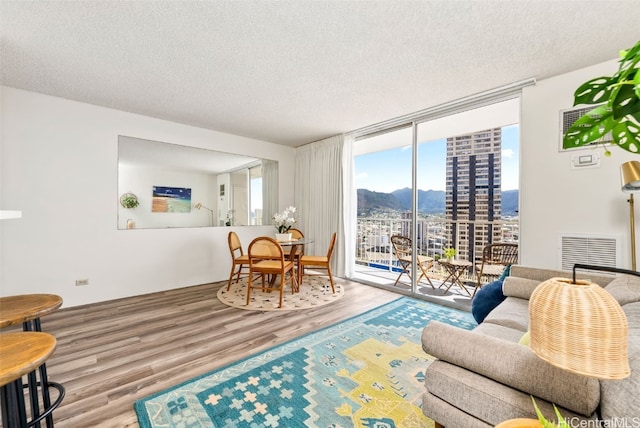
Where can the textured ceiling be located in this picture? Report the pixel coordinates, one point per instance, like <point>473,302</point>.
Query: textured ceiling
<point>293,72</point>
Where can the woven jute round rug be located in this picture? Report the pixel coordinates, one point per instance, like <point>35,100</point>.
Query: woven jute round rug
<point>315,291</point>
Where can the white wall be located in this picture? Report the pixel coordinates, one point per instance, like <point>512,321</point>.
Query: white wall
<point>554,198</point>
<point>59,167</point>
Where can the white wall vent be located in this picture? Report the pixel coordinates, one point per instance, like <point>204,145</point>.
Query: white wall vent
<point>589,249</point>
<point>568,117</point>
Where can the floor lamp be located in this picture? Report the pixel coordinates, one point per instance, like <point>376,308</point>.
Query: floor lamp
<point>630,177</point>
<point>199,205</point>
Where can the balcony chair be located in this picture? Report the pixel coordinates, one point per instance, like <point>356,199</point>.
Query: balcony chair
<point>318,262</point>
<point>495,258</point>
<point>238,258</point>
<point>402,248</point>
<point>266,257</point>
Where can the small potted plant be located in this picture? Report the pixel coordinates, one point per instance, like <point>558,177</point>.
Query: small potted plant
<point>449,254</point>
<point>129,200</point>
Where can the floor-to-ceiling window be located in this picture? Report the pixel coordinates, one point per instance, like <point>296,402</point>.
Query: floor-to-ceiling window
<point>463,167</point>
<point>384,187</point>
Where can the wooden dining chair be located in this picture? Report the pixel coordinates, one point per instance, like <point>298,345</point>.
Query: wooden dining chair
<point>404,250</point>
<point>238,259</point>
<point>318,262</point>
<point>266,257</point>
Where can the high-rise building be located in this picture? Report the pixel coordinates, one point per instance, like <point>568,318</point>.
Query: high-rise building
<point>473,198</point>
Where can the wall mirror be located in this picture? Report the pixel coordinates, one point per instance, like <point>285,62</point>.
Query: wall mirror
<point>163,185</point>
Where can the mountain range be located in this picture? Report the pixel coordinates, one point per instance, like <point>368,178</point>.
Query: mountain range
<point>429,201</point>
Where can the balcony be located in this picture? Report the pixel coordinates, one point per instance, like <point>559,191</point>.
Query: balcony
<point>376,263</point>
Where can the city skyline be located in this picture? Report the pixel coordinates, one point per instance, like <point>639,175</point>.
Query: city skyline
<point>390,170</point>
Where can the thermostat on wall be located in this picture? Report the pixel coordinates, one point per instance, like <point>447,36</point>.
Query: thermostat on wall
<point>585,160</point>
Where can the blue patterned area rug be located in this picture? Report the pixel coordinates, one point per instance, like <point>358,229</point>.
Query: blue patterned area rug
<point>367,371</point>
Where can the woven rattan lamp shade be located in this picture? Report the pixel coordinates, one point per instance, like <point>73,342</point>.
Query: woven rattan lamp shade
<point>580,328</point>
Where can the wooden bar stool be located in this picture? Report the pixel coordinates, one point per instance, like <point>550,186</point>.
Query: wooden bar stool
<point>27,309</point>
<point>21,353</point>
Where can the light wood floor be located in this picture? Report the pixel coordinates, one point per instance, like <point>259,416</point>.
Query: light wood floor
<point>112,353</point>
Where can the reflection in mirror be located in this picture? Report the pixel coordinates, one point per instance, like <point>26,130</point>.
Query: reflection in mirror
<point>181,186</point>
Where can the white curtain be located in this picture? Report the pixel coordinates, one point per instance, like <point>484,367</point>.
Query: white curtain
<point>349,210</point>
<point>269,190</point>
<point>319,197</point>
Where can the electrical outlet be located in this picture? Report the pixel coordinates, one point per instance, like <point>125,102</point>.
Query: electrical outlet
<point>82,282</point>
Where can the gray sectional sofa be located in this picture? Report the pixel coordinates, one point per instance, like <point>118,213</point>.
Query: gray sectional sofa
<point>485,376</point>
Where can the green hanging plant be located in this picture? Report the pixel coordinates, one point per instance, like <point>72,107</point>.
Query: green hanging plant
<point>129,200</point>
<point>618,107</point>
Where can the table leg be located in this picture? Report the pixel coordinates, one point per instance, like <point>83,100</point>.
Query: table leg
<point>33,380</point>
<point>450,272</point>
<point>455,274</point>
<point>294,258</point>
<point>35,325</point>
<point>14,413</point>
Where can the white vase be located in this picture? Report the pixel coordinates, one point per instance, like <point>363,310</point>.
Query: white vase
<point>283,237</point>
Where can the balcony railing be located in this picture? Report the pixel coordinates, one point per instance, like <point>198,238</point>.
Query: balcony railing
<point>374,249</point>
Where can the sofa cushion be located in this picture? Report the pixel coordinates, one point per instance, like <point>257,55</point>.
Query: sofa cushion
<point>486,300</point>
<point>512,313</point>
<point>491,402</point>
<point>619,398</point>
<point>517,366</point>
<point>625,289</point>
<point>448,415</point>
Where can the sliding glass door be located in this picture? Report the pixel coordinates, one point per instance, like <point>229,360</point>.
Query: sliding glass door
<point>384,188</point>
<point>446,184</point>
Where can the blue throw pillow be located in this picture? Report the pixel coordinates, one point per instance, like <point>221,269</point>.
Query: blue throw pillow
<point>488,297</point>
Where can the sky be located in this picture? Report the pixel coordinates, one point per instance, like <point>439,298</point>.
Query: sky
<point>390,170</point>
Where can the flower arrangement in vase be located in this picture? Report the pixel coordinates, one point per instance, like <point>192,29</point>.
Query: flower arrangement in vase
<point>283,222</point>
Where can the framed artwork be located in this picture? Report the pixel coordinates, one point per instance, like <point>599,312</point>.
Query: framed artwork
<point>171,199</point>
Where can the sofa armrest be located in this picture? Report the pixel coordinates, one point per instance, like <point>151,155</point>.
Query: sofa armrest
<point>511,364</point>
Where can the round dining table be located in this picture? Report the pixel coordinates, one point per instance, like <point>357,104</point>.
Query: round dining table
<point>294,244</point>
